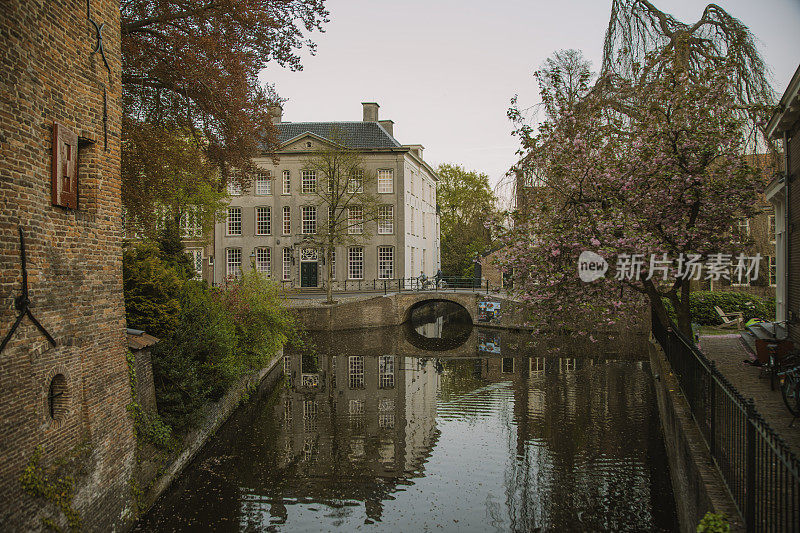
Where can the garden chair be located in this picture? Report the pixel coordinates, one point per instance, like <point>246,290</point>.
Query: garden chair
<point>729,319</point>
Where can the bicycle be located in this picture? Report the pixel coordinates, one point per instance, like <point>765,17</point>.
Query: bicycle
<point>790,384</point>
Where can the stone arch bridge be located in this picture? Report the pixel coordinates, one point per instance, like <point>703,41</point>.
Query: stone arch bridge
<point>395,309</point>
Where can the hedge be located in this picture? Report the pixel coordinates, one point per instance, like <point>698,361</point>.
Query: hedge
<point>701,306</point>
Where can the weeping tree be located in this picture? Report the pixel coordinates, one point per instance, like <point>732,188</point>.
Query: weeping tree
<point>642,42</point>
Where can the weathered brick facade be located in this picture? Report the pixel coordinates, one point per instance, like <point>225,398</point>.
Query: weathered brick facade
<point>50,74</point>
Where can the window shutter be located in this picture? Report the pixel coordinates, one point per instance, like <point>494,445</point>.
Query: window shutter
<point>64,182</point>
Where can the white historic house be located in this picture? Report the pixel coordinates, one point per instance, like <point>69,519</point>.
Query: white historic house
<point>268,226</point>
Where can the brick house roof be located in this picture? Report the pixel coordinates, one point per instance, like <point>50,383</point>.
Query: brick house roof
<point>360,135</point>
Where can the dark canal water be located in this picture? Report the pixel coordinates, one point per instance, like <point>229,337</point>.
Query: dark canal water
<point>376,430</point>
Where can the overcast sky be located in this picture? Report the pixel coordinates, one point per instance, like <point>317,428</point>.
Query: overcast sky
<point>445,70</point>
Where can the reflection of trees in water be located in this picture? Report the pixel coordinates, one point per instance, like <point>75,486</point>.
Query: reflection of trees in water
<point>580,431</point>
<point>579,438</point>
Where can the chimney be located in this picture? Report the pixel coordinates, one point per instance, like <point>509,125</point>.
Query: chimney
<point>415,149</point>
<point>276,112</point>
<point>370,111</point>
<point>388,125</point>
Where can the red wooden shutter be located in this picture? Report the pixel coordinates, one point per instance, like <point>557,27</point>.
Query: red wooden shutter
<point>64,191</point>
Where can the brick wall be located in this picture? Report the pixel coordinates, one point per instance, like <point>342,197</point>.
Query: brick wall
<point>48,74</point>
<point>793,150</point>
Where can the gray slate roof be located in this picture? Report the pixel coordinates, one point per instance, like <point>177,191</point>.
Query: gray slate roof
<point>352,134</point>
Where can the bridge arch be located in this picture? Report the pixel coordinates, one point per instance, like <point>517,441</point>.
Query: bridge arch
<point>409,303</point>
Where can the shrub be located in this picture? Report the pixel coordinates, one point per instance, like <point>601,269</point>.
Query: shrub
<point>197,362</point>
<point>713,523</point>
<point>221,334</point>
<point>701,306</point>
<point>262,323</point>
<point>152,290</point>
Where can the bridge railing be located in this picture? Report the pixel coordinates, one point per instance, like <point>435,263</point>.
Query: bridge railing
<point>443,284</point>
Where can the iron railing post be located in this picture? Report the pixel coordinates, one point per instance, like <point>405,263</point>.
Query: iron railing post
<point>750,465</point>
<point>712,444</point>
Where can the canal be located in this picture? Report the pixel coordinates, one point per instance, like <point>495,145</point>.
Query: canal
<point>437,426</point>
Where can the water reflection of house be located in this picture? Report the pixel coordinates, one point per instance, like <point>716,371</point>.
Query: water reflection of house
<point>356,418</point>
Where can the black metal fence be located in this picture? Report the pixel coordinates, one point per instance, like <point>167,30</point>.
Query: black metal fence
<point>761,472</point>
<point>386,286</point>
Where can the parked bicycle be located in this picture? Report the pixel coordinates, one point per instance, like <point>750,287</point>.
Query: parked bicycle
<point>790,383</point>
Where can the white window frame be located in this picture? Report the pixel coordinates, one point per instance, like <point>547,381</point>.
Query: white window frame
<point>308,181</point>
<point>385,181</point>
<point>308,224</point>
<point>234,221</point>
<point>286,225</point>
<point>386,219</point>
<point>386,372</point>
<point>355,371</point>
<point>772,271</point>
<point>355,262</point>
<point>356,183</point>
<point>234,188</point>
<point>383,260</point>
<point>264,183</point>
<point>287,183</point>
<point>263,223</point>
<point>233,263</point>
<point>264,260</point>
<point>743,226</point>
<point>190,226</point>
<point>355,220</point>
<point>287,264</point>
<point>333,264</point>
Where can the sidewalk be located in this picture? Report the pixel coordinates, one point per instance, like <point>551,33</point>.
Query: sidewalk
<point>729,352</point>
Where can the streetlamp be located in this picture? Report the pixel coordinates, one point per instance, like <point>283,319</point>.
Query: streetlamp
<point>253,259</point>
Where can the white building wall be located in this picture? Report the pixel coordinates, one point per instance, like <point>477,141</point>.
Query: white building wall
<point>421,224</point>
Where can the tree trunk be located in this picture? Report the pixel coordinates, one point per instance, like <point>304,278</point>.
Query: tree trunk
<point>328,280</point>
<point>657,304</point>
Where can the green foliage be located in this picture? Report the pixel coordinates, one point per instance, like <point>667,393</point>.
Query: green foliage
<point>701,306</point>
<point>56,485</point>
<point>152,290</point>
<point>173,252</point>
<point>197,362</point>
<point>149,428</point>
<point>466,202</point>
<point>165,176</point>
<point>713,523</point>
<point>221,335</point>
<point>262,324</point>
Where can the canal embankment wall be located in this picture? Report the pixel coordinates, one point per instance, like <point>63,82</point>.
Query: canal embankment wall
<point>155,474</point>
<point>697,483</point>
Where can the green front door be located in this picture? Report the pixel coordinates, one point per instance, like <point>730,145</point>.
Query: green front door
<point>308,274</point>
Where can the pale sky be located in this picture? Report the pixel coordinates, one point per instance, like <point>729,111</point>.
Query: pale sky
<point>445,70</point>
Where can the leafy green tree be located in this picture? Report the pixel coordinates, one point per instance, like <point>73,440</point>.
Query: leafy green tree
<point>152,290</point>
<point>166,180</point>
<point>466,202</point>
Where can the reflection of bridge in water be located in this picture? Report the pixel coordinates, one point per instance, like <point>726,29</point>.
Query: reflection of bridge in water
<point>367,413</point>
